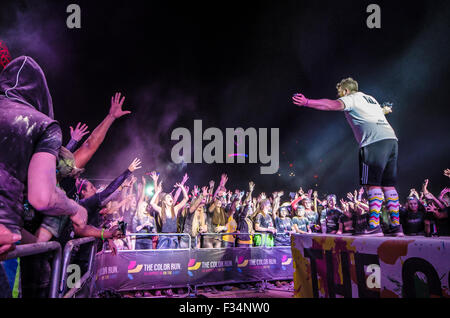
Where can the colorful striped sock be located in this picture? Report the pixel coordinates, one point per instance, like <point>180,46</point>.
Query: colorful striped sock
<point>393,205</point>
<point>375,202</point>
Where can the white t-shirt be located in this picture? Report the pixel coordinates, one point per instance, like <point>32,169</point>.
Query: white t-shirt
<point>367,119</point>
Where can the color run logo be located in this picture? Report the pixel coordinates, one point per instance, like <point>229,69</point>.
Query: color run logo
<point>214,150</point>
<point>193,266</point>
<point>133,268</point>
<point>285,261</point>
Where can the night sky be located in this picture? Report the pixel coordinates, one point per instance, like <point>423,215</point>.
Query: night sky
<point>237,64</point>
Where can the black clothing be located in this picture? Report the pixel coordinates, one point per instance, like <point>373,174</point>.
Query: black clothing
<point>26,127</point>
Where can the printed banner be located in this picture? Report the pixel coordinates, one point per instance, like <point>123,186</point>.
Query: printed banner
<point>370,267</point>
<point>154,269</point>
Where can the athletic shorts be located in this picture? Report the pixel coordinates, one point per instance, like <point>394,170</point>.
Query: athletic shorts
<point>378,163</point>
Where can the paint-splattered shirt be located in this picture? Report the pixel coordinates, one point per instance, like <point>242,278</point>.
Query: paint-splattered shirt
<point>26,127</point>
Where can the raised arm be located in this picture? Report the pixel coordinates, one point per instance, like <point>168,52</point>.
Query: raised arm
<point>142,196</point>
<point>116,183</point>
<point>185,198</point>
<point>428,195</point>
<point>90,146</point>
<point>158,189</point>
<point>223,181</point>
<point>320,104</point>
<point>178,192</point>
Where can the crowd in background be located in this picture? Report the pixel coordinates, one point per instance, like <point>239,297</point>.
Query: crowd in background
<point>215,217</point>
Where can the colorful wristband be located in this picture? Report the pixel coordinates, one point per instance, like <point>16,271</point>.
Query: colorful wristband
<point>103,230</point>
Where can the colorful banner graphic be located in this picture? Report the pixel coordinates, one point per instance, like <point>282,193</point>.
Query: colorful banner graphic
<point>154,269</point>
<point>370,267</point>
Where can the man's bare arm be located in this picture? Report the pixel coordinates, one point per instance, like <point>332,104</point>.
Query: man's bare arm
<point>320,104</point>
<point>90,146</point>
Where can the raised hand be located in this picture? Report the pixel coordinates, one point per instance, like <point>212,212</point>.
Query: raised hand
<point>78,132</point>
<point>300,191</point>
<point>136,164</point>
<point>154,175</point>
<point>185,178</point>
<point>315,194</point>
<point>181,186</point>
<point>443,192</point>
<point>350,196</point>
<point>263,196</point>
<point>424,186</point>
<point>447,173</point>
<point>309,193</point>
<point>196,191</point>
<point>223,179</point>
<point>251,186</point>
<point>300,100</point>
<point>211,184</point>
<point>205,191</point>
<point>116,106</point>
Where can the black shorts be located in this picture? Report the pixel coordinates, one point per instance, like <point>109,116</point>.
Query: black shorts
<point>378,163</point>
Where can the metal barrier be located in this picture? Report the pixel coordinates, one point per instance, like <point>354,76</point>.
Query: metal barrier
<point>219,234</point>
<point>67,254</point>
<point>223,234</point>
<point>41,248</point>
<point>157,234</point>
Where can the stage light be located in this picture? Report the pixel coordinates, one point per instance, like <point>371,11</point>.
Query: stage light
<point>149,190</point>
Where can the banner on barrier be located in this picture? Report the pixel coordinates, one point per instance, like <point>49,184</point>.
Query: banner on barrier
<point>153,269</point>
<point>370,267</point>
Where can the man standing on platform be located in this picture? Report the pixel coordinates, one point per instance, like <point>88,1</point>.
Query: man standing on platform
<point>378,149</point>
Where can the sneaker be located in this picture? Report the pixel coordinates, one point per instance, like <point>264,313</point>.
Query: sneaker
<point>372,232</point>
<point>395,231</point>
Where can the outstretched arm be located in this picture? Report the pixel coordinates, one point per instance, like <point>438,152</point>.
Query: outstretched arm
<point>320,104</point>
<point>116,183</point>
<point>178,192</point>
<point>158,189</point>
<point>185,198</point>
<point>90,146</point>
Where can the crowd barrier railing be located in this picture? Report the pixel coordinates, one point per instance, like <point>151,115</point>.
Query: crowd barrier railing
<point>41,248</point>
<point>134,235</point>
<point>67,255</point>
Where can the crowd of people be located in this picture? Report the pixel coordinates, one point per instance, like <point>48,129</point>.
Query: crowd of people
<point>43,196</point>
<point>215,217</point>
